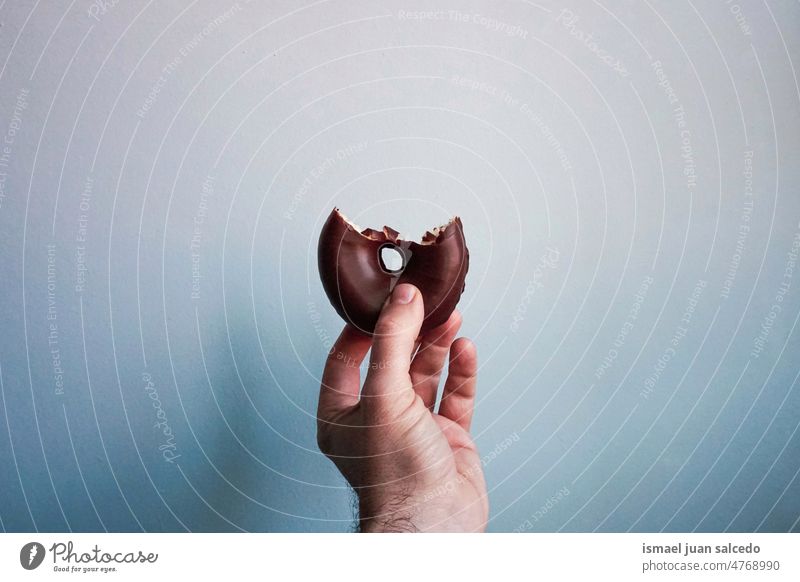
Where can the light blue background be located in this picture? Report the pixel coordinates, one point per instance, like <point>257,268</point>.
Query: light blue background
<point>505,113</point>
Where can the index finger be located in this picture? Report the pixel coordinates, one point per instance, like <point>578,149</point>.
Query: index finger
<point>341,380</point>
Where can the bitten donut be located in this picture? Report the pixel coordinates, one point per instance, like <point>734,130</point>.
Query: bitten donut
<point>357,279</point>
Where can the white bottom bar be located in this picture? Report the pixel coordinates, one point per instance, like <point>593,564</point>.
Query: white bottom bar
<point>348,557</point>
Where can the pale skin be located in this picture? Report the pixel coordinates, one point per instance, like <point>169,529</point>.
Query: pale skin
<point>412,468</point>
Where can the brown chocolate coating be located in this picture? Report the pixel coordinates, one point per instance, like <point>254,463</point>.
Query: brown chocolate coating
<point>357,282</point>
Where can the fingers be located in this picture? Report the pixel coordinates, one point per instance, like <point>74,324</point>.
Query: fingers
<point>426,368</point>
<point>340,380</point>
<point>458,398</point>
<point>388,385</point>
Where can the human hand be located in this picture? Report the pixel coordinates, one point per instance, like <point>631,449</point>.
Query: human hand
<point>412,469</point>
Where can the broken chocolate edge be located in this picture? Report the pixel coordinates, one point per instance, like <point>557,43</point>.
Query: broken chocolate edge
<point>386,234</point>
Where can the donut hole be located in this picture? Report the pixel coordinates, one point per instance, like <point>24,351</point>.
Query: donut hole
<point>391,259</point>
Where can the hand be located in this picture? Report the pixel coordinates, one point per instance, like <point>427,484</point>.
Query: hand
<point>412,469</point>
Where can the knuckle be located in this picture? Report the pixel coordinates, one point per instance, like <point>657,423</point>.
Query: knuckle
<point>324,441</point>
<point>389,325</point>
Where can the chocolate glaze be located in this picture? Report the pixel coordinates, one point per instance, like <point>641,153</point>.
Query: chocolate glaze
<point>357,282</point>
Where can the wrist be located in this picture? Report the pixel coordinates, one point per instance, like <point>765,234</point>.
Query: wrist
<point>384,512</point>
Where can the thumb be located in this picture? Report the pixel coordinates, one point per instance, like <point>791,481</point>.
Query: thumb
<point>388,385</point>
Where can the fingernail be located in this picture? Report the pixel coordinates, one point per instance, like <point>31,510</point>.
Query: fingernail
<point>403,294</point>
